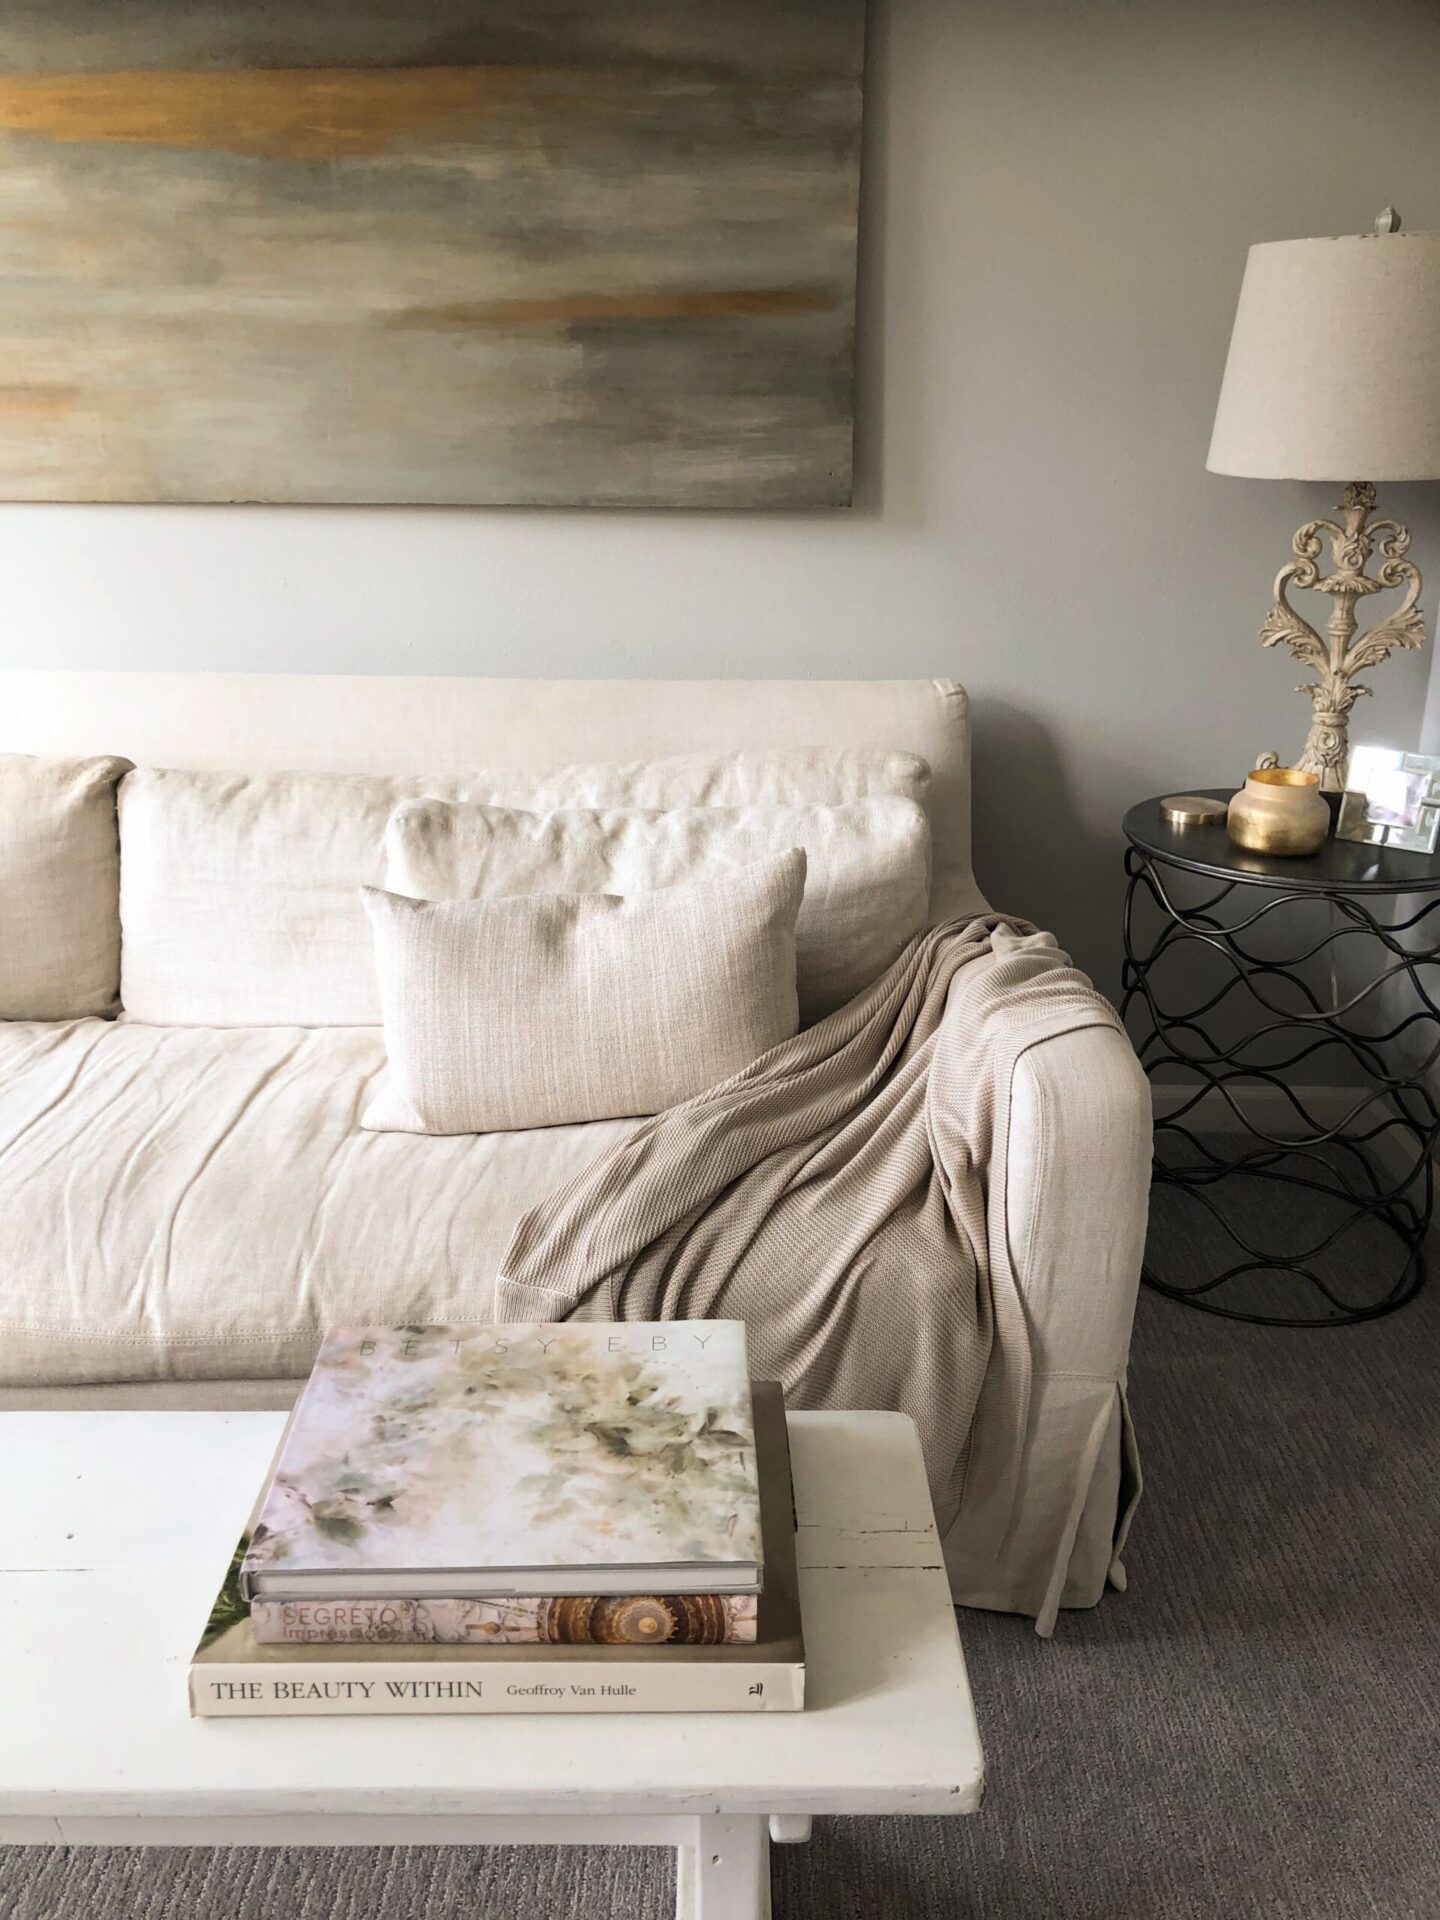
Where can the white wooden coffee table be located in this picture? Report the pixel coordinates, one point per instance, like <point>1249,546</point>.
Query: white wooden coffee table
<point>114,1528</point>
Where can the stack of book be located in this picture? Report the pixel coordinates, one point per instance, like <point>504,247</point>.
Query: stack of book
<point>576,1517</point>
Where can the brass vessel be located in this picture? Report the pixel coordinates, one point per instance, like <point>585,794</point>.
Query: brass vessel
<point>1279,811</point>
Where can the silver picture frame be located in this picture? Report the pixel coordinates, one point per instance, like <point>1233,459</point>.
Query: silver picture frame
<point>1392,799</point>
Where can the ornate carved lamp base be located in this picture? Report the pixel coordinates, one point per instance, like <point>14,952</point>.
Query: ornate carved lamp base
<point>1343,653</point>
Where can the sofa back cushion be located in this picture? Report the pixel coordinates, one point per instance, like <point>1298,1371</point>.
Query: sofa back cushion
<point>867,884</point>
<point>631,1003</point>
<point>239,893</point>
<point>59,887</point>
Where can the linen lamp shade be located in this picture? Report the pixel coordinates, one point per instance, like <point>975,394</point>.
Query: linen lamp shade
<point>1334,364</point>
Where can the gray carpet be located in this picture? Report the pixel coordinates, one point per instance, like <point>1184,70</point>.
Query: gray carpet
<point>1250,1730</point>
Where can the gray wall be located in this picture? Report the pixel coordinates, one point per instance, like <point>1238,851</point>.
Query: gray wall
<point>1058,203</point>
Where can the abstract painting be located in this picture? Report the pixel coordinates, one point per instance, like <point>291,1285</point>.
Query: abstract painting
<point>464,251</point>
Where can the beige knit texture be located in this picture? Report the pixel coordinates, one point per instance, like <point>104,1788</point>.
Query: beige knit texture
<point>540,1009</point>
<point>845,1197</point>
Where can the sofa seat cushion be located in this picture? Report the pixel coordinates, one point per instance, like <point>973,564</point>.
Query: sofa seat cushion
<point>189,1203</point>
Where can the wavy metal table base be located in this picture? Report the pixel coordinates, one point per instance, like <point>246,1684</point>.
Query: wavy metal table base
<point>1373,1167</point>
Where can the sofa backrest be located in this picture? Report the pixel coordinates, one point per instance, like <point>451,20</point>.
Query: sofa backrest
<point>404,724</point>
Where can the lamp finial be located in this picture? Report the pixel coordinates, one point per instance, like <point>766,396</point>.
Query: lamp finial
<point>1387,221</point>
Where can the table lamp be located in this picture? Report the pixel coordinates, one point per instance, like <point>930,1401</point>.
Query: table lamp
<point>1334,374</point>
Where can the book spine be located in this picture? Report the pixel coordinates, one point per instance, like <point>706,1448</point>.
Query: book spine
<point>634,1620</point>
<point>225,1689</point>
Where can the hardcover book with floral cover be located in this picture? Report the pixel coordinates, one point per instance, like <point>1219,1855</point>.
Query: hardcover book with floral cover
<point>502,1461</point>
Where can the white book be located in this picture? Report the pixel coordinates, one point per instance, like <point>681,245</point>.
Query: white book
<point>494,1460</point>
<point>644,1685</point>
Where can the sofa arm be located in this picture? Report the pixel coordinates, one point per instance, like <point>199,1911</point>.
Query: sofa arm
<point>1076,1190</point>
<point>1077,1194</point>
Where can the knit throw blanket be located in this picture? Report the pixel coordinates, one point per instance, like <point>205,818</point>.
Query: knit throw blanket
<point>844,1196</point>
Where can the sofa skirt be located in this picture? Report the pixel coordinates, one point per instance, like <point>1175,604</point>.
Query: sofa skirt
<point>1079,1484</point>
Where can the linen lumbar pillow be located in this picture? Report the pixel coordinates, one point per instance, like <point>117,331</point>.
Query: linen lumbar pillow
<point>867,879</point>
<point>59,887</point>
<point>546,1008</point>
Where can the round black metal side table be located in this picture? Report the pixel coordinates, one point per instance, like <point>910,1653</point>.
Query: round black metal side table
<point>1249,981</point>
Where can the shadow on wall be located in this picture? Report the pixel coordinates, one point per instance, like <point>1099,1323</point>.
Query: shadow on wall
<point>1032,845</point>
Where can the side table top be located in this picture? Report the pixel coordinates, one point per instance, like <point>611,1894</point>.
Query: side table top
<point>115,1528</point>
<point>1341,866</point>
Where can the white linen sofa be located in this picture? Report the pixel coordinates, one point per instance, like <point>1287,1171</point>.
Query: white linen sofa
<point>183,1209</point>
